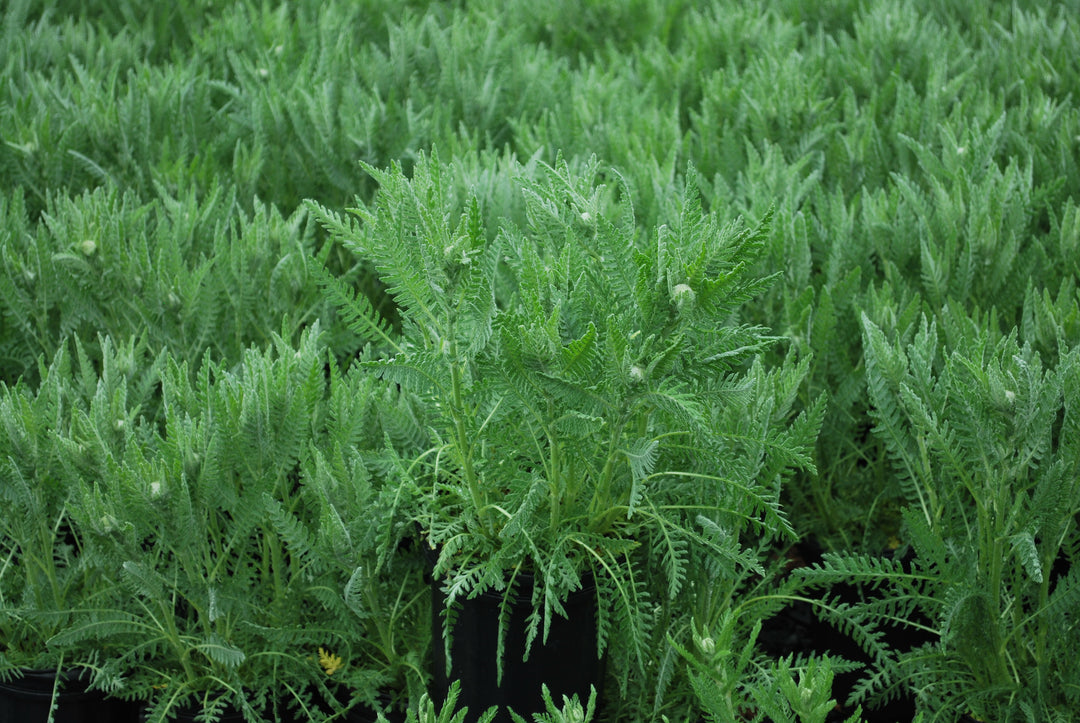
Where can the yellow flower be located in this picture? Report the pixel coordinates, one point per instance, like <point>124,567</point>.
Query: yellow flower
<point>330,663</point>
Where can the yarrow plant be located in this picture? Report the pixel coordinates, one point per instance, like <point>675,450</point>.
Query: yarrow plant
<point>572,376</point>
<point>986,441</point>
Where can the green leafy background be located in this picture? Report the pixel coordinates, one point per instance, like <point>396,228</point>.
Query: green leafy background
<point>918,160</point>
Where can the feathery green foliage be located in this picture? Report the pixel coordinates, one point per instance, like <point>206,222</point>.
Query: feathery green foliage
<point>46,577</point>
<point>914,159</point>
<point>984,443</point>
<point>448,712</point>
<point>229,561</point>
<point>572,710</point>
<point>580,382</point>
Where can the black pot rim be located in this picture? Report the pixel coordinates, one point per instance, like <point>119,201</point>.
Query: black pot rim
<point>38,684</point>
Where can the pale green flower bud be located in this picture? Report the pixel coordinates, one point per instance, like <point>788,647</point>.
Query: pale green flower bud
<point>683,296</point>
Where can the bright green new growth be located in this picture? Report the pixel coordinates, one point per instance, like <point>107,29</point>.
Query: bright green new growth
<point>578,381</point>
<point>448,712</point>
<point>572,710</point>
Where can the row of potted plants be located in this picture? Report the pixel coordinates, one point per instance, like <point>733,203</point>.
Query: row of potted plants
<point>566,420</point>
<point>563,408</point>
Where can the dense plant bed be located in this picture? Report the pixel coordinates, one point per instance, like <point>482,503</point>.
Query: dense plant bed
<point>645,293</point>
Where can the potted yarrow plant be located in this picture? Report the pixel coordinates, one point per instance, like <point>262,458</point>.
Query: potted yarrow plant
<point>194,526</point>
<point>984,435</point>
<point>365,568</point>
<point>47,575</point>
<point>571,371</point>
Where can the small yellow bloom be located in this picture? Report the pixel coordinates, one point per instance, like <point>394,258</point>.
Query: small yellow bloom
<point>330,663</point>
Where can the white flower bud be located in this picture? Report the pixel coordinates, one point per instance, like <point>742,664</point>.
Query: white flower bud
<point>683,295</point>
<point>88,247</point>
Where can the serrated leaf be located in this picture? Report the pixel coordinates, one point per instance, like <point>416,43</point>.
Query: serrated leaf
<point>221,652</point>
<point>1023,545</point>
<point>641,455</point>
<point>578,355</point>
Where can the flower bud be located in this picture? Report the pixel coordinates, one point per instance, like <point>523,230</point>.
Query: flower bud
<point>88,247</point>
<point>683,296</point>
<point>106,524</point>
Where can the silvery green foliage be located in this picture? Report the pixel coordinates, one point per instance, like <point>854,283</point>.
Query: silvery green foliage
<point>584,389</point>
<point>190,272</point>
<point>984,437</point>
<point>45,579</point>
<point>239,543</point>
<point>920,158</point>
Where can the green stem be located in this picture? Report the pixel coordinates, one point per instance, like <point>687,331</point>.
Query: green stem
<point>277,562</point>
<point>555,478</point>
<point>1040,637</point>
<point>183,652</point>
<point>600,507</point>
<point>464,445</point>
<point>47,563</point>
<point>993,548</point>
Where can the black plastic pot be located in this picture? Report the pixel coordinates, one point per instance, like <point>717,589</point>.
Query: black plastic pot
<point>567,663</point>
<point>27,699</point>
